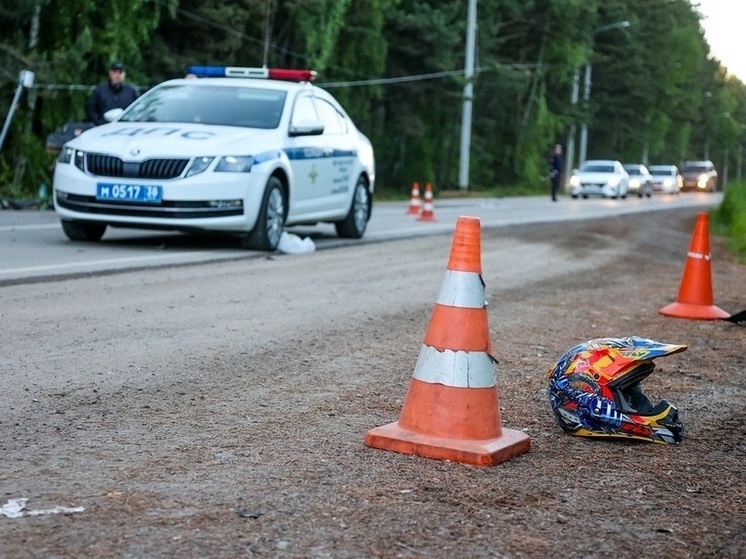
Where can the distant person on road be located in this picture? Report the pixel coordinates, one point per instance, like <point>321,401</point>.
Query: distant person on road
<point>556,171</point>
<point>114,94</point>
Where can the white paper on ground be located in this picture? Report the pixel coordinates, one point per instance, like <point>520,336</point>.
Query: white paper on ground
<point>15,508</point>
<point>293,244</point>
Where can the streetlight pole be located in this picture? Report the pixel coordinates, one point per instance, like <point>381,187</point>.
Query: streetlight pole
<point>587,84</point>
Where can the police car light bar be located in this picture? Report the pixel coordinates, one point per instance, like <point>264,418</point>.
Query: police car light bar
<point>262,73</point>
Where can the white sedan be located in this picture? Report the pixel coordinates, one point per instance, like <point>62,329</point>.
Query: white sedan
<point>244,151</point>
<point>606,178</point>
<point>666,179</point>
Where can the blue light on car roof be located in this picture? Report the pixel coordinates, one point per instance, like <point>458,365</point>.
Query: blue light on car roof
<point>227,72</point>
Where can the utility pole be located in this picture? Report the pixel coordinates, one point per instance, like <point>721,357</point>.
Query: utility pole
<point>587,84</point>
<point>471,33</point>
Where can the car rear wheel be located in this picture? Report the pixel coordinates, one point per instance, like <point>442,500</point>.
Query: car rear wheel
<point>354,224</point>
<point>83,231</point>
<point>271,219</point>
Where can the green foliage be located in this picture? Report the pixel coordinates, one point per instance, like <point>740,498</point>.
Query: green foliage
<point>730,217</point>
<point>397,66</point>
<point>320,23</point>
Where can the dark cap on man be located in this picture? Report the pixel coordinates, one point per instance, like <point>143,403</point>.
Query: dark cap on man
<point>117,66</point>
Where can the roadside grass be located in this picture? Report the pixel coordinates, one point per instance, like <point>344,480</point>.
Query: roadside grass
<point>729,218</point>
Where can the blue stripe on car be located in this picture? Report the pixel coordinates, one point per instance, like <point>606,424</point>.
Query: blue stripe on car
<point>266,156</point>
<point>317,153</point>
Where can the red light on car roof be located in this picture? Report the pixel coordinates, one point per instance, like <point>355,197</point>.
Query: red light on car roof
<point>291,75</point>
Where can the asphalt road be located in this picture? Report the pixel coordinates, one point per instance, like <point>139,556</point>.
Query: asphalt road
<point>33,246</point>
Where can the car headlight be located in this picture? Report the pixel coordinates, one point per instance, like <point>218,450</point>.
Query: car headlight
<point>234,164</point>
<point>613,181</point>
<point>667,182</point>
<point>634,183</point>
<point>65,155</point>
<point>574,181</point>
<point>79,159</point>
<point>68,154</point>
<point>198,165</point>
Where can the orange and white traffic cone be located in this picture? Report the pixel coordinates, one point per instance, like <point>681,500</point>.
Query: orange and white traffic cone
<point>452,409</point>
<point>427,208</point>
<point>695,298</point>
<point>414,200</point>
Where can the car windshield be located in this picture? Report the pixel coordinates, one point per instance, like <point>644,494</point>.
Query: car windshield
<point>635,169</point>
<point>209,104</point>
<point>696,169</point>
<point>597,168</point>
<point>654,171</point>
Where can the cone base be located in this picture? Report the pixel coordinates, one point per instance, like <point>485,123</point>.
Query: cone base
<point>695,312</point>
<point>413,211</point>
<point>487,452</point>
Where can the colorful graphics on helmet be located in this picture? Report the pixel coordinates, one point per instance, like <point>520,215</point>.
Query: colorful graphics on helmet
<point>595,391</point>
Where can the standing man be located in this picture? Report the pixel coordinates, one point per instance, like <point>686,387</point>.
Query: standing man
<point>115,94</point>
<point>556,169</point>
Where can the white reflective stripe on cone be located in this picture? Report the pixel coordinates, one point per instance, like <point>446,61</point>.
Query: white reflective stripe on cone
<point>462,289</point>
<point>460,369</point>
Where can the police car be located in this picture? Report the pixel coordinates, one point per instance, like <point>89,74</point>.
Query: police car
<point>244,151</point>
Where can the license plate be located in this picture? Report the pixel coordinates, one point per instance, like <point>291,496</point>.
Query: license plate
<point>142,193</point>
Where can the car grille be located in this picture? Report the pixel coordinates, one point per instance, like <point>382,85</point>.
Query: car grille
<point>108,166</point>
<point>164,210</point>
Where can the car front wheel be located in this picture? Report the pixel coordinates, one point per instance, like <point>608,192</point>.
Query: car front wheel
<point>83,231</point>
<point>354,224</point>
<point>270,221</point>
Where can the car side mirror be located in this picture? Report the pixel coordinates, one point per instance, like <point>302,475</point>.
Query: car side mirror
<point>112,114</point>
<point>307,128</point>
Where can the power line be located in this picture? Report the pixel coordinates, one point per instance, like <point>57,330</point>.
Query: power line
<point>424,77</point>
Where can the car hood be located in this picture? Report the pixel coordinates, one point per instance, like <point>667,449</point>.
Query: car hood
<point>140,140</point>
<point>596,177</point>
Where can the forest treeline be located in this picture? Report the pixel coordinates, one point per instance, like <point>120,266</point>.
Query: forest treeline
<point>398,68</point>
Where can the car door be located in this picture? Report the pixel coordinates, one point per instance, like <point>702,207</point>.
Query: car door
<point>340,146</point>
<point>309,157</point>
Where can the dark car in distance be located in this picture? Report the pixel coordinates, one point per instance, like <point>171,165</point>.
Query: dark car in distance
<point>699,176</point>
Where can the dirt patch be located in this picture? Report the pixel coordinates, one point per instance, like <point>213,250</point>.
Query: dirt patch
<point>220,411</point>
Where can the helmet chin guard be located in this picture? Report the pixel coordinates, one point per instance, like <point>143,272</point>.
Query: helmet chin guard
<point>595,391</point>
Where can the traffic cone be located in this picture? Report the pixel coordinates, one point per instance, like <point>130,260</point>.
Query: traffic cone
<point>452,409</point>
<point>427,208</point>
<point>414,201</point>
<point>695,293</point>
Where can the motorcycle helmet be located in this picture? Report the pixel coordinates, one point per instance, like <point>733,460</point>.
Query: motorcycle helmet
<point>594,391</point>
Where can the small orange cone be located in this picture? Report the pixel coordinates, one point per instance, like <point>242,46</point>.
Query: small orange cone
<point>414,201</point>
<point>695,293</point>
<point>452,409</point>
<point>427,208</point>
